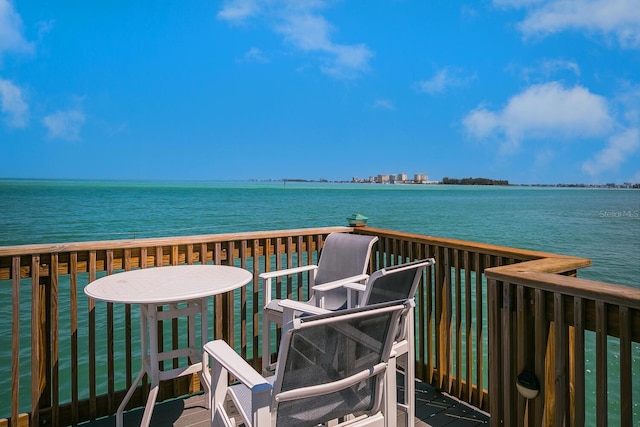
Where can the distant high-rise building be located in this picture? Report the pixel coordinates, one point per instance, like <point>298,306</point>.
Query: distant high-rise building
<point>421,178</point>
<point>383,179</point>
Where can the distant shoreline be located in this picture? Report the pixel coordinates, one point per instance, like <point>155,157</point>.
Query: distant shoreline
<point>312,181</point>
<point>466,182</point>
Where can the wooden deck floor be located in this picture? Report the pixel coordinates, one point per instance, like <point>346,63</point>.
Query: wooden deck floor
<point>432,409</point>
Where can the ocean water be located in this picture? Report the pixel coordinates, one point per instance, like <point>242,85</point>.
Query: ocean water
<point>600,224</point>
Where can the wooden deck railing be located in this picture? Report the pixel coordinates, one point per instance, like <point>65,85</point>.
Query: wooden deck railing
<point>72,359</point>
<point>538,321</point>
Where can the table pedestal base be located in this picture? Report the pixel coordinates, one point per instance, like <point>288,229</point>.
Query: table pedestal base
<point>152,356</point>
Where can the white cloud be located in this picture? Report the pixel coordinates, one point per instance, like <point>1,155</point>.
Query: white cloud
<point>620,18</point>
<point>255,55</point>
<point>618,148</point>
<point>543,111</point>
<point>11,37</point>
<point>547,70</point>
<point>481,122</point>
<point>65,125</point>
<point>238,10</point>
<point>442,80</point>
<point>306,30</point>
<point>516,3</point>
<point>552,66</point>
<point>383,104</point>
<point>13,104</point>
<point>553,112</point>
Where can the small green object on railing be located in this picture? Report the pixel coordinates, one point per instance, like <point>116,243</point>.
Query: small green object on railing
<point>357,220</point>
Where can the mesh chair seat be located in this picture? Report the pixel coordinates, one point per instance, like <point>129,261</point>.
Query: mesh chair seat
<point>398,282</point>
<point>343,257</point>
<point>329,367</point>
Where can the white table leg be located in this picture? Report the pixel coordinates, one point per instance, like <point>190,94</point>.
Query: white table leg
<point>204,338</point>
<point>143,341</point>
<point>154,366</point>
<point>119,416</point>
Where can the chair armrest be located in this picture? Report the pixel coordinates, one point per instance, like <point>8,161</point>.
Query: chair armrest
<point>290,308</point>
<point>226,357</point>
<point>225,361</point>
<point>266,278</point>
<point>339,283</point>
<point>319,290</point>
<point>287,271</point>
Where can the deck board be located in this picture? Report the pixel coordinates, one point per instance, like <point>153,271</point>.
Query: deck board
<point>433,409</point>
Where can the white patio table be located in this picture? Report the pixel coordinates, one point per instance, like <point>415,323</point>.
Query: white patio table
<point>166,286</point>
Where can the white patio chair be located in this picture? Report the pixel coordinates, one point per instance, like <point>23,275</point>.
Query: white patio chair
<point>387,284</point>
<point>344,259</point>
<point>331,368</point>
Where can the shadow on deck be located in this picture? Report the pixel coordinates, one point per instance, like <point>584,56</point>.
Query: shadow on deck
<point>433,408</point>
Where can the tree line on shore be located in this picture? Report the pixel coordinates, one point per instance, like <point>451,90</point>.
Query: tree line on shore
<point>474,181</point>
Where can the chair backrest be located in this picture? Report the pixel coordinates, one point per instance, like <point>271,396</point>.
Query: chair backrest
<point>343,255</point>
<point>395,283</point>
<point>333,365</point>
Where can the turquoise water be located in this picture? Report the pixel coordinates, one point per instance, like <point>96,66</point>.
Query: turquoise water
<point>600,224</point>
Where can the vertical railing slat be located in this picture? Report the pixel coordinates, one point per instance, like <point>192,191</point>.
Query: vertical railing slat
<point>522,349</point>
<point>73,323</point>
<point>541,334</point>
<point>92,339</point>
<point>561,357</point>
<point>508,343</point>
<point>218,330</point>
<point>15,339</point>
<point>626,392</point>
<point>468,326</point>
<point>458,338</point>
<point>244,312</point>
<point>289,252</point>
<point>128,331</point>
<point>494,309</point>
<point>255,248</point>
<point>447,311</point>
<point>175,333</point>
<point>420,320</point>
<point>36,350</point>
<point>430,314</point>
<point>479,353</point>
<point>300,281</point>
<point>439,318</point>
<point>54,350</point>
<point>578,363</point>
<point>111,403</point>
<point>601,364</point>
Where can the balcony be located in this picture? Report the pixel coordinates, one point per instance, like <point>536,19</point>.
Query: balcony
<point>484,314</point>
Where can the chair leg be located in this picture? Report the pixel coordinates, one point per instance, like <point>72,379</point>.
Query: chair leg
<point>410,387</point>
<point>266,344</point>
<point>410,372</point>
<point>389,404</point>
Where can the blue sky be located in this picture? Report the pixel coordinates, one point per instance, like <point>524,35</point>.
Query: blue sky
<point>532,91</point>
